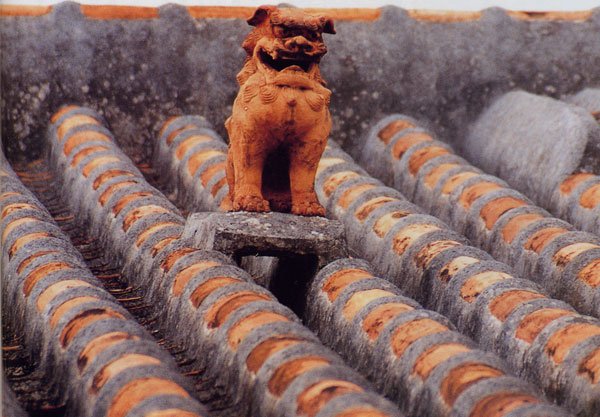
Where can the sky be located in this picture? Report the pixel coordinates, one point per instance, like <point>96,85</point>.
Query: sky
<point>530,5</point>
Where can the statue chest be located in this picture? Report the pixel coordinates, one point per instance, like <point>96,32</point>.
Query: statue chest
<point>283,103</point>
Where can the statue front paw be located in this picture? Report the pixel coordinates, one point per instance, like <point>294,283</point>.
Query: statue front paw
<point>252,203</point>
<point>308,208</point>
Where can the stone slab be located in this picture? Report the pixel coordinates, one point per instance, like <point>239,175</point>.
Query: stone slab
<point>267,234</point>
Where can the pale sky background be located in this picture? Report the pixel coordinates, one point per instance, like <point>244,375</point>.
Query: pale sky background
<point>530,5</point>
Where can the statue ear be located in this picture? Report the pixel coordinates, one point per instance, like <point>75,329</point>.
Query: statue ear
<point>260,14</point>
<point>328,25</point>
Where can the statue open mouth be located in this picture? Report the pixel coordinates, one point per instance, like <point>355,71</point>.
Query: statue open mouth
<point>283,62</point>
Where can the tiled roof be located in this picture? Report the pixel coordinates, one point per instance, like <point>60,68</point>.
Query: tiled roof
<point>486,306</point>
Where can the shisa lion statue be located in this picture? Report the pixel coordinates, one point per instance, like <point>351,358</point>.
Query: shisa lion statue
<point>280,119</point>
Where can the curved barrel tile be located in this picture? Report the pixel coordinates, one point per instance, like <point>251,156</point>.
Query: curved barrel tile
<point>190,158</point>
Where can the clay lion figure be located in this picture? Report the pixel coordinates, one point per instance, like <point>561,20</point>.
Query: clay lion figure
<point>280,119</point>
